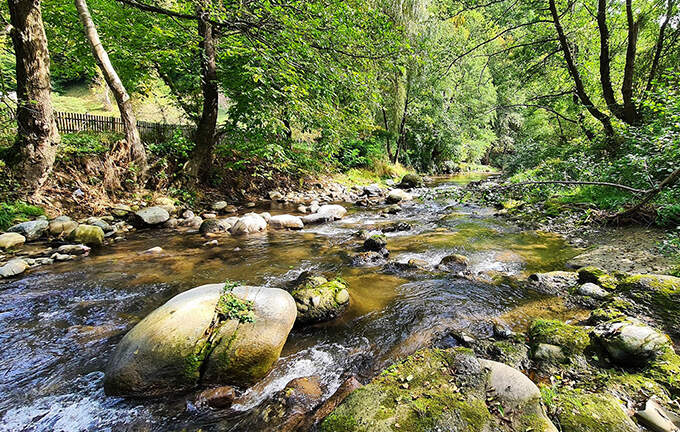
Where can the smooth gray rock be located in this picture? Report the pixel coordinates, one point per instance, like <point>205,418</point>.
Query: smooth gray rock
<point>590,289</point>
<point>248,224</point>
<point>630,342</point>
<point>150,216</point>
<point>13,268</point>
<point>32,230</point>
<point>286,222</point>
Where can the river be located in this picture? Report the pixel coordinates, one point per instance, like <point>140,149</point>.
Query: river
<point>60,324</point>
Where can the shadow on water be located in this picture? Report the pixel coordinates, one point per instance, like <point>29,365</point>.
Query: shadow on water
<point>59,325</point>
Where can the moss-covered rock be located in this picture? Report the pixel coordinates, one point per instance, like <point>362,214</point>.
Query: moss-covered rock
<point>88,234</point>
<point>554,283</point>
<point>613,309</point>
<point>582,412</point>
<point>630,342</point>
<point>410,181</point>
<point>657,296</point>
<point>319,300</point>
<point>185,341</point>
<point>572,340</point>
<point>599,277</point>
<point>443,390</point>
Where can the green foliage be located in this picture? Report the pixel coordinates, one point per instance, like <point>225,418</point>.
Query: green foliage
<point>86,143</point>
<point>177,148</point>
<point>230,307</point>
<point>15,212</point>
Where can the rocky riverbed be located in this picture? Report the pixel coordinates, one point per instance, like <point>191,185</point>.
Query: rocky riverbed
<point>444,315</point>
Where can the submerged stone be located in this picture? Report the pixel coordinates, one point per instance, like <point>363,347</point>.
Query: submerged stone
<point>319,300</point>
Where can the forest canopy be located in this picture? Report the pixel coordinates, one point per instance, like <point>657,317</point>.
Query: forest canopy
<point>543,89</point>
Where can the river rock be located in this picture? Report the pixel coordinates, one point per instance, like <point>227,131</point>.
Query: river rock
<point>372,190</point>
<point>334,210</point>
<point>248,224</point>
<point>397,196</point>
<point>454,263</point>
<point>218,398</point>
<point>629,342</point>
<point>61,257</point>
<point>88,234</point>
<point>11,239</point>
<point>316,218</point>
<point>410,181</point>
<point>554,283</point>
<point>32,230</point>
<point>167,204</point>
<point>286,222</point>
<point>657,419</point>
<point>62,226</point>
<point>589,289</point>
<point>77,249</point>
<point>591,412</point>
<point>215,226</point>
<point>120,210</point>
<point>13,268</point>
<point>443,390</point>
<point>168,351</point>
<point>376,243</point>
<point>266,216</point>
<point>194,222</point>
<point>275,195</point>
<point>657,295</point>
<point>219,206</point>
<point>319,300</point>
<point>171,223</point>
<point>314,206</point>
<point>100,223</point>
<point>150,216</point>
<point>368,259</point>
<point>397,227</point>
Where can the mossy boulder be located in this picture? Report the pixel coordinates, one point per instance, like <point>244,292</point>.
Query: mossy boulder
<point>613,309</point>
<point>410,181</point>
<point>572,340</point>
<point>318,299</point>
<point>598,277</point>
<point>188,340</point>
<point>583,412</point>
<point>657,296</point>
<point>447,390</point>
<point>88,234</point>
<point>630,342</point>
<point>453,263</point>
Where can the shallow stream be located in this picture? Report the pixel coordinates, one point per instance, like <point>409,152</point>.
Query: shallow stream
<point>60,324</point>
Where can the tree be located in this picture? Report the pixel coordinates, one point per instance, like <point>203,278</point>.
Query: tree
<point>134,146</point>
<point>37,140</point>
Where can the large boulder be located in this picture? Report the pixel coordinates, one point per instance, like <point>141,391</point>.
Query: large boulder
<point>13,268</point>
<point>248,224</point>
<point>191,339</point>
<point>443,390</point>
<point>398,195</point>
<point>150,216</point>
<point>11,239</point>
<point>32,230</point>
<point>410,181</point>
<point>318,299</point>
<point>88,234</point>
<point>286,222</point>
<point>62,226</point>
<point>629,342</point>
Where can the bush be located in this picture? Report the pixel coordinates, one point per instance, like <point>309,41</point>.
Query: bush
<point>176,149</point>
<point>87,143</point>
<point>15,212</point>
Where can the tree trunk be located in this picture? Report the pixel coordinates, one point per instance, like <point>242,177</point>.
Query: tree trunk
<point>576,76</point>
<point>631,114</point>
<point>387,135</point>
<point>134,142</point>
<point>201,160</point>
<point>659,45</point>
<point>605,61</point>
<point>36,145</point>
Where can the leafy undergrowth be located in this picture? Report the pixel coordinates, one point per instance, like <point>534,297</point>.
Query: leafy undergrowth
<point>16,212</point>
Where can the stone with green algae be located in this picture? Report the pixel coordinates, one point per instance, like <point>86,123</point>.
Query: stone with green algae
<point>443,390</point>
<point>583,412</point>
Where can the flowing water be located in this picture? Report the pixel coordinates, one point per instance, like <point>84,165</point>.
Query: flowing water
<point>59,324</point>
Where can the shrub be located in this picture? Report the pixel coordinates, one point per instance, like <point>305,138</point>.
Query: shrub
<point>18,211</point>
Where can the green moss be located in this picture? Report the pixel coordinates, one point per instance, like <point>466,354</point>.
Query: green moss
<point>231,307</point>
<point>660,294</point>
<point>614,309</point>
<point>572,339</point>
<point>597,276</point>
<point>581,412</point>
<point>665,370</point>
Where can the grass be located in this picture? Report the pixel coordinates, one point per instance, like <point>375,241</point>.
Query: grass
<point>155,105</point>
<point>379,173</point>
<point>15,212</point>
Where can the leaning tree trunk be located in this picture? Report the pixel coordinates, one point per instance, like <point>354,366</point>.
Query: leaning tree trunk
<point>133,141</point>
<point>36,145</point>
<point>201,159</point>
